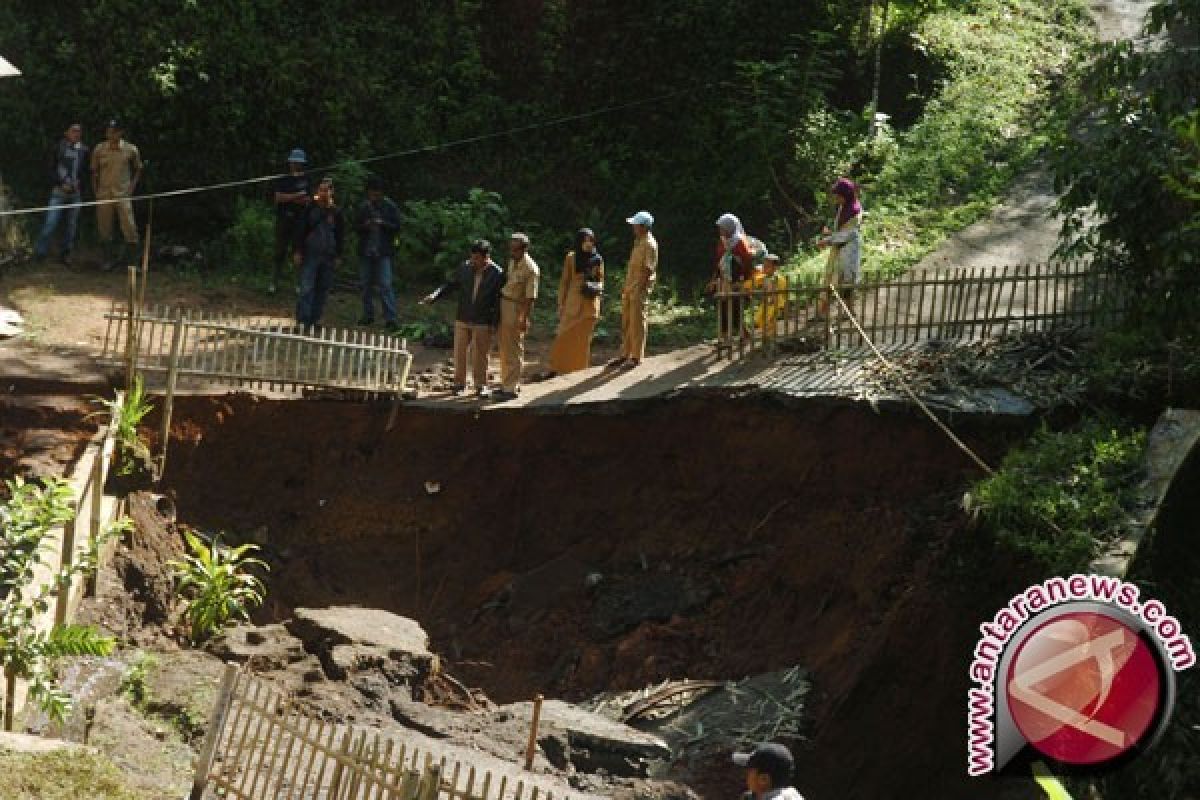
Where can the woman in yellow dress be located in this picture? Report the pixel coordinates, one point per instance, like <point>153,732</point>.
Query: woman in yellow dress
<point>578,305</point>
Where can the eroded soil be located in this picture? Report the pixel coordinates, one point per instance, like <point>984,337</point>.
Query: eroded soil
<point>571,554</point>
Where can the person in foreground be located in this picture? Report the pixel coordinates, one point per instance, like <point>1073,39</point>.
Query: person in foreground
<point>768,772</point>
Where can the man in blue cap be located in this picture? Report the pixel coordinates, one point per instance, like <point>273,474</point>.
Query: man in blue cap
<point>768,772</point>
<point>291,197</point>
<point>639,280</point>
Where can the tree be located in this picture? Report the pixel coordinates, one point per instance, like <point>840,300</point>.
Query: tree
<point>1125,175</point>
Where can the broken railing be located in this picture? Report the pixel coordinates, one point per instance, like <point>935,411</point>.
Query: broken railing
<point>260,747</point>
<point>255,352</point>
<point>946,303</point>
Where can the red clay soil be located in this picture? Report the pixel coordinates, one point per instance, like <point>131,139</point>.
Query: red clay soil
<point>42,434</point>
<point>696,537</point>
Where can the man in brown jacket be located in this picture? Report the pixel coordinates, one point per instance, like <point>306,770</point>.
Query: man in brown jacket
<point>116,169</point>
<point>639,280</point>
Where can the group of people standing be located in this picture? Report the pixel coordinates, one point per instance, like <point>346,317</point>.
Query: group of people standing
<point>498,302</point>
<point>312,228</point>
<point>743,268</point>
<point>115,168</point>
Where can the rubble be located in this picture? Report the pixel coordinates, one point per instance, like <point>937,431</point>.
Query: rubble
<point>1040,368</point>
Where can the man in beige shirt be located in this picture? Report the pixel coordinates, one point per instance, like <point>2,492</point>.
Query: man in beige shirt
<point>116,169</point>
<point>516,304</point>
<point>639,280</point>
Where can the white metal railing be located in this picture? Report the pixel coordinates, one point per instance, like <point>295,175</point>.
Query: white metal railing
<point>944,303</point>
<point>256,351</point>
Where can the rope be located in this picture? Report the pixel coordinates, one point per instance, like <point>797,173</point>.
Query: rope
<point>907,389</point>
<point>431,148</point>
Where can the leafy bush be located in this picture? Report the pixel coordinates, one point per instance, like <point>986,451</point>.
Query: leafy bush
<point>218,583</point>
<point>27,517</point>
<point>248,244</point>
<point>436,235</point>
<point>1062,497</point>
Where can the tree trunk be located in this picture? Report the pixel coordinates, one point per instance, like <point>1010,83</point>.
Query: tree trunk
<point>10,691</point>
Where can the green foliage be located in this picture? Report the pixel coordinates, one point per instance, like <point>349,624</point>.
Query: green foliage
<point>64,775</point>
<point>218,584</point>
<point>1135,170</point>
<point>1063,496</point>
<point>28,516</point>
<point>126,415</point>
<point>1005,88</point>
<point>436,236</point>
<point>248,244</point>
<point>133,683</point>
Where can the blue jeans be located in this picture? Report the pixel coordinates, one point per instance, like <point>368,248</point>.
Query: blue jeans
<point>58,198</point>
<point>376,271</point>
<point>316,279</point>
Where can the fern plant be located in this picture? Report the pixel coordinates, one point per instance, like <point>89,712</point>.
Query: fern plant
<point>26,652</point>
<point>219,584</point>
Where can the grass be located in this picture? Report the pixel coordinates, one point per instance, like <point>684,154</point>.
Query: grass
<point>1062,497</point>
<point>63,775</point>
<point>1006,96</point>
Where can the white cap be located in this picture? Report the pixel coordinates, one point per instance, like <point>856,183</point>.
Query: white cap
<point>641,218</point>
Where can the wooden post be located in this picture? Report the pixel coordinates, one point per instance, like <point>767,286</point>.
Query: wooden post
<point>209,750</point>
<point>67,558</point>
<point>339,767</point>
<point>531,748</point>
<point>431,783</point>
<point>132,332</point>
<point>96,503</point>
<point>169,400</point>
<point>141,300</point>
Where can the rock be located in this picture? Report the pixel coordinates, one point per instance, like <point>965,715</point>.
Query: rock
<point>590,742</point>
<point>270,647</point>
<point>349,639</point>
<point>26,743</point>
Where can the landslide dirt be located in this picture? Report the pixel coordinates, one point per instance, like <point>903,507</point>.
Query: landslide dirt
<point>697,537</point>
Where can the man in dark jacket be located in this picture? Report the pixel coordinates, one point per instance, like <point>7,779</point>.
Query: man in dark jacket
<point>377,221</point>
<point>318,250</point>
<point>66,180</point>
<point>478,281</point>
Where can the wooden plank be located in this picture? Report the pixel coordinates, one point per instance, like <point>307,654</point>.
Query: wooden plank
<point>245,756</point>
<point>290,770</point>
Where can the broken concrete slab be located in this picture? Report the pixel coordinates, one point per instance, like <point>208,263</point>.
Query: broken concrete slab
<point>589,742</point>
<point>270,647</point>
<point>348,639</point>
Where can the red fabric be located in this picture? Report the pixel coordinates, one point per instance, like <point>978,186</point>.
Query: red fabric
<point>743,259</point>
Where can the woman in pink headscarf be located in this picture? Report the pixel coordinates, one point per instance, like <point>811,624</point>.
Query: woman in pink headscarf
<point>844,266</point>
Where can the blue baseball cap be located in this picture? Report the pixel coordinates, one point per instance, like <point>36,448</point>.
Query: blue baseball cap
<point>641,218</point>
<point>297,156</point>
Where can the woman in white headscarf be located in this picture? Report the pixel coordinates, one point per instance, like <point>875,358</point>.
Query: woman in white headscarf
<point>734,266</point>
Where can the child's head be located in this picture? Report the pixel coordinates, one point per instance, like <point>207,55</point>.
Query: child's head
<point>771,264</point>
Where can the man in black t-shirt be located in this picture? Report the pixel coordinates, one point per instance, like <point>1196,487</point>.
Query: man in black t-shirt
<point>291,198</point>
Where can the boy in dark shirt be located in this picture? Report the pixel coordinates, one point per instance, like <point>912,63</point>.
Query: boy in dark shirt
<point>291,198</point>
